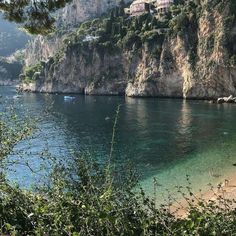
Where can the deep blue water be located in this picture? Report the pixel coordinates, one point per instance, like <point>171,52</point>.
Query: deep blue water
<point>163,138</point>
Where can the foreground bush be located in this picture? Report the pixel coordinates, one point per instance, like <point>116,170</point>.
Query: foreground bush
<point>88,198</point>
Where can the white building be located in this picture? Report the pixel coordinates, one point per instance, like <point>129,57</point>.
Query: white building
<point>139,7</point>
<point>163,5</point>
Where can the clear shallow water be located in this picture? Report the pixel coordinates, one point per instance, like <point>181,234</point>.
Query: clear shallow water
<point>164,138</point>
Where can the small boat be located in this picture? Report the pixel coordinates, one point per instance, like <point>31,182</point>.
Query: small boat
<point>68,98</point>
<point>16,96</point>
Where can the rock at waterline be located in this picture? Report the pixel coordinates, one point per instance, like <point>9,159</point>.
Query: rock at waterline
<point>220,100</point>
<point>229,99</point>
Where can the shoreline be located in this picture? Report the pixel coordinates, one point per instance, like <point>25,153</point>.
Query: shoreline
<point>223,99</point>
<point>27,90</point>
<point>222,190</point>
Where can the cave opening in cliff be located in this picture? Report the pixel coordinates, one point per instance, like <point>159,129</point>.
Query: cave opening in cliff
<point>83,91</point>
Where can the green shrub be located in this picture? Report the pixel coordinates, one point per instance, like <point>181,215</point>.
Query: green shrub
<point>178,23</point>
<point>29,72</point>
<point>87,197</point>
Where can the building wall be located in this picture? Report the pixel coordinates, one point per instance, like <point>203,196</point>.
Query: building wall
<point>163,5</point>
<point>140,7</point>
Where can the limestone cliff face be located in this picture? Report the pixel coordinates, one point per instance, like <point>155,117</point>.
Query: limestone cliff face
<point>89,77</point>
<point>208,75</point>
<point>41,48</point>
<point>80,10</point>
<point>194,63</point>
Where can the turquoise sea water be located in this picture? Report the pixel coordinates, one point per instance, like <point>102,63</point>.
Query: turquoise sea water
<point>164,138</point>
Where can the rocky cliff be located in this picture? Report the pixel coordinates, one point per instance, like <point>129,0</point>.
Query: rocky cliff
<point>81,10</point>
<point>189,52</point>
<point>41,47</point>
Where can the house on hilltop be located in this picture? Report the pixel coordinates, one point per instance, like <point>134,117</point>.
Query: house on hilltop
<point>138,7</point>
<point>163,5</point>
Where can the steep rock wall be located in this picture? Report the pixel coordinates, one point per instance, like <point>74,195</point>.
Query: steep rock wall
<point>41,48</point>
<point>194,62</point>
<point>81,10</point>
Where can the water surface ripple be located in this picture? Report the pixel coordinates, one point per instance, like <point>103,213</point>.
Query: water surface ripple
<point>164,138</point>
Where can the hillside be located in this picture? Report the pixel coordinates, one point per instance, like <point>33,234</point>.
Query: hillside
<point>68,19</point>
<point>188,52</point>
<point>11,38</point>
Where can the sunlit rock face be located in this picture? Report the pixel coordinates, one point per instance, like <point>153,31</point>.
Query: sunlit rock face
<point>195,64</point>
<point>81,10</point>
<point>41,48</point>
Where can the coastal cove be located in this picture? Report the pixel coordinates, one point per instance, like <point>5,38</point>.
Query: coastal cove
<point>163,138</point>
<point>117,117</point>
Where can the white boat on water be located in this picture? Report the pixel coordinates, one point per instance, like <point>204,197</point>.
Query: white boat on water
<point>69,98</point>
<point>15,97</point>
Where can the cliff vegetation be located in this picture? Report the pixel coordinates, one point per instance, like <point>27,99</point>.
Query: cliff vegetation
<point>187,52</point>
